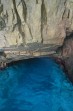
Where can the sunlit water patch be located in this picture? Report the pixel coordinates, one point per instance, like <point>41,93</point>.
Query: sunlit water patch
<point>35,85</point>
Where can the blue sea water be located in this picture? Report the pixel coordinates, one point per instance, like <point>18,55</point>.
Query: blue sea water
<point>35,85</point>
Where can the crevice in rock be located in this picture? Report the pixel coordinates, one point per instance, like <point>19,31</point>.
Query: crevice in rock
<point>19,3</point>
<point>65,2</point>
<point>43,18</point>
<point>63,16</point>
<point>36,1</point>
<point>18,21</point>
<point>68,14</point>
<point>2,23</point>
<point>13,16</point>
<point>1,7</point>
<point>43,13</point>
<point>2,19</point>
<point>64,13</point>
<point>24,10</point>
<point>17,15</point>
<point>6,15</point>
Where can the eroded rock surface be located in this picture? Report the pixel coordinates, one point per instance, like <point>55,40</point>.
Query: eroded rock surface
<point>28,21</point>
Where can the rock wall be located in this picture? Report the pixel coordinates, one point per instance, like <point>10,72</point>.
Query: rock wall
<point>29,21</point>
<point>31,28</point>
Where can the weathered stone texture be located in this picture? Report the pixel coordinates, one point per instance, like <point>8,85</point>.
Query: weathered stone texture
<point>24,22</point>
<point>28,21</point>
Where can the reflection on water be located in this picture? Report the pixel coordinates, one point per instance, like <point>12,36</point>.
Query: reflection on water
<point>35,85</point>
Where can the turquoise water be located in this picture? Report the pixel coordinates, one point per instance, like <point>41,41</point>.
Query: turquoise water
<point>35,85</point>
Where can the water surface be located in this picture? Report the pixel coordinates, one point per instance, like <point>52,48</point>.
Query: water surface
<point>35,85</point>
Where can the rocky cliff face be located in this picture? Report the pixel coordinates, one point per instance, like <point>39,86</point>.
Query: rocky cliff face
<point>29,21</point>
<point>31,28</point>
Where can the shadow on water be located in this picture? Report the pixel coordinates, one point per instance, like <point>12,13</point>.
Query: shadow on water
<point>35,85</point>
